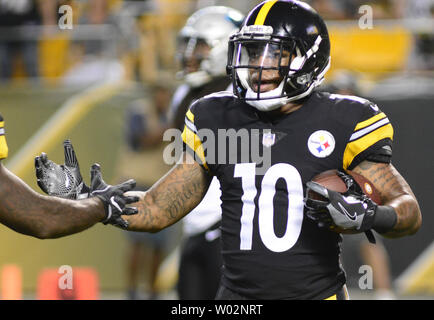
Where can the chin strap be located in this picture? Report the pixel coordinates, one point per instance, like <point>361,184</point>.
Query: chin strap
<point>269,104</point>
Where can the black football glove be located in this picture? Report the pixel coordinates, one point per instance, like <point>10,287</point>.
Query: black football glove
<point>352,210</point>
<point>113,197</point>
<point>64,180</point>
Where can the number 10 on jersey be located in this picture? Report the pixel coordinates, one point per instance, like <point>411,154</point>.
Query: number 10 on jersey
<point>266,212</point>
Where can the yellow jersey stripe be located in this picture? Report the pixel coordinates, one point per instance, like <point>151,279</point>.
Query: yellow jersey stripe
<point>356,147</point>
<point>3,147</point>
<point>195,144</point>
<point>333,297</point>
<point>190,116</point>
<point>370,121</point>
<point>262,14</point>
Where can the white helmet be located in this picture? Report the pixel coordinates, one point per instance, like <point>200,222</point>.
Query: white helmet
<point>212,25</point>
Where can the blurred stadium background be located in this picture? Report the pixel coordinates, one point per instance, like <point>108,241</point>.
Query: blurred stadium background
<point>76,83</point>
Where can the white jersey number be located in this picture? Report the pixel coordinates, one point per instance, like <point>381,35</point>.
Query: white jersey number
<point>247,173</point>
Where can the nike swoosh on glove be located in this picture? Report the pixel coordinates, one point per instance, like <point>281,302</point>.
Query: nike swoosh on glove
<point>352,210</point>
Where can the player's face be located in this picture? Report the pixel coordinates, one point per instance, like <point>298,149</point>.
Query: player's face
<point>193,52</point>
<point>270,57</point>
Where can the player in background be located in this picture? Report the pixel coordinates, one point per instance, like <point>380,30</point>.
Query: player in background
<point>202,52</point>
<point>277,244</point>
<point>28,212</point>
<point>145,123</point>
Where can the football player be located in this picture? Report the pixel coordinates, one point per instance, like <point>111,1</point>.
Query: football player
<point>44,217</point>
<point>273,245</point>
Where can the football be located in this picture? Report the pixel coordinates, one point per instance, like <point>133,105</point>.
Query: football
<point>332,181</point>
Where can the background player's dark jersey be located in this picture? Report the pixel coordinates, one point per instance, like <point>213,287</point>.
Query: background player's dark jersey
<point>270,250</point>
<point>181,104</point>
<point>3,144</point>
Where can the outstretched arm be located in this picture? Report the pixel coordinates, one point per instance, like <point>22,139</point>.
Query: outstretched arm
<point>30,213</point>
<point>171,198</point>
<point>396,193</point>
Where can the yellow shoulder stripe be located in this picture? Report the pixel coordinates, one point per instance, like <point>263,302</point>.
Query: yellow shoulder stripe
<point>195,144</point>
<point>357,146</point>
<point>3,147</point>
<point>370,121</point>
<point>262,14</point>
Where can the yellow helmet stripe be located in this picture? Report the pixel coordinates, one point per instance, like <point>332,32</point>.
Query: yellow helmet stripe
<point>262,14</point>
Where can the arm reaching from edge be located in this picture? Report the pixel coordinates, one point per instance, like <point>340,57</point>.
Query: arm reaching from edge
<point>396,193</point>
<point>171,198</point>
<point>33,214</point>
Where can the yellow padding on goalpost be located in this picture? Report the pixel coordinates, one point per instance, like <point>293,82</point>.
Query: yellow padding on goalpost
<point>167,275</point>
<point>418,278</point>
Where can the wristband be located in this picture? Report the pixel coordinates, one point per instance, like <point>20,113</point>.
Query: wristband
<point>385,219</point>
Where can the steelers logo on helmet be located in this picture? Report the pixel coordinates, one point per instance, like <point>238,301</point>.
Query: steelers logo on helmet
<point>280,54</point>
<point>321,143</point>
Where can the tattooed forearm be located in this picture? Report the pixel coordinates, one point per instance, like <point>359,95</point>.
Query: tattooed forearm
<point>30,213</point>
<point>395,192</point>
<point>170,199</point>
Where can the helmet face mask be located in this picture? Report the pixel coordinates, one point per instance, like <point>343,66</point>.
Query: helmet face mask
<point>262,66</point>
<point>191,52</point>
<point>281,60</point>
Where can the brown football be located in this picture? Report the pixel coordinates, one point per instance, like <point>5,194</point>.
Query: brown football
<point>332,181</point>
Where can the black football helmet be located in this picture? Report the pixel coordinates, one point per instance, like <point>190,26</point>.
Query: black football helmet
<point>294,38</point>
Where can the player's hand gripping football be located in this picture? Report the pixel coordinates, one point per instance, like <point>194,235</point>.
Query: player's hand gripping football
<point>350,211</point>
<point>64,180</point>
<point>113,197</point>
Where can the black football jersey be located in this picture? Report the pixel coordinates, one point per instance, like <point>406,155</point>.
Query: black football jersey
<point>3,144</point>
<point>270,249</point>
<point>186,95</point>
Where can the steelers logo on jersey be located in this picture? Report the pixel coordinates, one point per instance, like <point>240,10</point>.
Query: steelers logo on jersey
<point>321,143</point>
